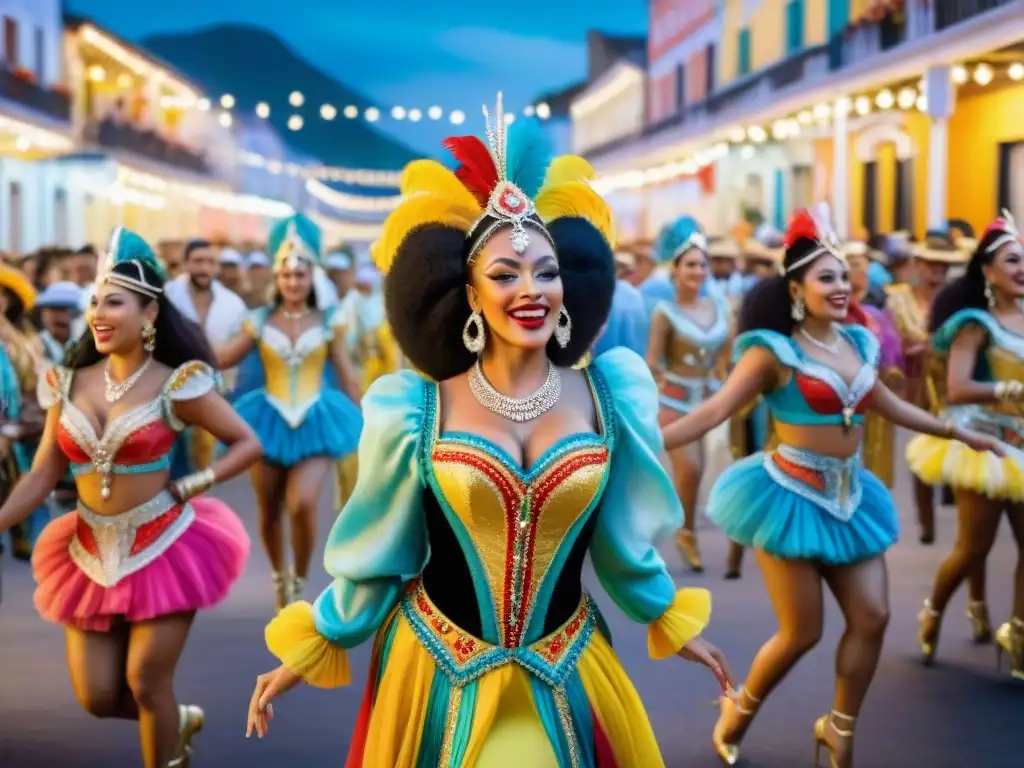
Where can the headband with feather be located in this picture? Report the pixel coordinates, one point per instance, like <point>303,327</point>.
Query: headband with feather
<point>815,225</point>
<point>126,247</point>
<point>680,236</point>
<point>1008,229</point>
<point>509,181</point>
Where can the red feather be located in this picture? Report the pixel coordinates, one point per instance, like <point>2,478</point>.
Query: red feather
<point>801,225</point>
<point>999,225</point>
<point>476,168</point>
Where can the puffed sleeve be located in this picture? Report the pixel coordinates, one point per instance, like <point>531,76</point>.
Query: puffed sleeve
<point>52,386</point>
<point>188,382</point>
<point>377,544</point>
<point>640,506</point>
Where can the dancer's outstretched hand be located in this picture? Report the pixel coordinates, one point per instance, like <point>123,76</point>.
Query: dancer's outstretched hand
<point>703,652</point>
<point>980,442</point>
<point>268,687</point>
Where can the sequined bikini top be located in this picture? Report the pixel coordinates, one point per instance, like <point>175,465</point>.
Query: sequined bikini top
<point>691,343</point>
<point>137,441</point>
<point>816,395</point>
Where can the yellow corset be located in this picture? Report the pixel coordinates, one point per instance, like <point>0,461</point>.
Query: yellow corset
<point>294,372</point>
<point>514,526</point>
<point>1004,365</point>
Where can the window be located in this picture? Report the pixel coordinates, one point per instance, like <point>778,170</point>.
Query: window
<point>16,222</point>
<point>40,54</point>
<point>60,216</point>
<point>794,26</point>
<point>803,187</point>
<point>11,42</point>
<point>743,49</point>
<point>709,70</point>
<point>903,200</point>
<point>680,100</point>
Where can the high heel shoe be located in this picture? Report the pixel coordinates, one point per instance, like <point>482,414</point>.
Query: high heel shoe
<point>687,543</point>
<point>296,583</point>
<point>928,623</point>
<point>282,589</point>
<point>729,751</point>
<point>840,755</point>
<point>734,562</point>
<point>192,720</point>
<point>1010,640</point>
<point>981,627</point>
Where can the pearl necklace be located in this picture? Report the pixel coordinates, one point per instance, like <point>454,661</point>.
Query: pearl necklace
<point>518,409</point>
<point>832,349</point>
<point>294,315</point>
<point>113,390</point>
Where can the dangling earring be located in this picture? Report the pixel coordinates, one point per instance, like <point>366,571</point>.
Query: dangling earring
<point>563,328</point>
<point>149,338</point>
<point>475,341</point>
<point>989,296</point>
<point>799,310</point>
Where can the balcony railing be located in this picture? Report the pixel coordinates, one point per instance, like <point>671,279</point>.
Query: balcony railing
<point>32,95</point>
<point>148,144</point>
<point>951,12</point>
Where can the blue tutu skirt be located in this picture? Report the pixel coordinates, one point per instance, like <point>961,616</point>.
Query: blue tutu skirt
<point>330,428</point>
<point>798,505</point>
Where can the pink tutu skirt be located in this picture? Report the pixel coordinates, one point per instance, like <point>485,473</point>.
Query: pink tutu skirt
<point>196,571</point>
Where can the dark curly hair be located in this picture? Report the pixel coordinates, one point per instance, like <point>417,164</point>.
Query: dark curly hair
<point>968,291</point>
<point>769,305</point>
<point>178,339</point>
<point>426,304</point>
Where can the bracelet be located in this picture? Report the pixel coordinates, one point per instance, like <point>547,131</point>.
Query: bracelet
<point>1008,390</point>
<point>195,484</point>
<point>948,429</point>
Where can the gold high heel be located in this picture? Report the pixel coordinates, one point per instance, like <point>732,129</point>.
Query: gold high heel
<point>296,583</point>
<point>981,626</point>
<point>282,589</point>
<point>729,753</point>
<point>822,726</point>
<point>928,623</point>
<point>687,543</point>
<point>1010,640</point>
<point>192,720</point>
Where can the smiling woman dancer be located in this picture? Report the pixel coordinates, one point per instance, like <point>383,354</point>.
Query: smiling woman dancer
<point>809,509</point>
<point>481,490</point>
<point>128,570</point>
<point>689,342</point>
<point>979,325</point>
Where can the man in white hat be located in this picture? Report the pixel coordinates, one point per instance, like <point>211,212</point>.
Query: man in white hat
<point>260,276</point>
<point>232,269</point>
<point>59,307</point>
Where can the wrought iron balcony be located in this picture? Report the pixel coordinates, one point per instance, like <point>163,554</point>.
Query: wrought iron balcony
<point>32,95</point>
<point>146,143</point>
<point>948,13</point>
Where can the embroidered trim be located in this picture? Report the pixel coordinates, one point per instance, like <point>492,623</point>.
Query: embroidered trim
<point>464,658</point>
<point>832,484</point>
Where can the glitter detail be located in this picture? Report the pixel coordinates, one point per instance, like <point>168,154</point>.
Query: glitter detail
<point>842,489</point>
<point>451,721</point>
<point>565,717</point>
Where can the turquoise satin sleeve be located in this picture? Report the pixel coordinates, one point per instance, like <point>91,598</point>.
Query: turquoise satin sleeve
<point>640,505</point>
<point>946,335</point>
<point>780,346</point>
<point>379,540</point>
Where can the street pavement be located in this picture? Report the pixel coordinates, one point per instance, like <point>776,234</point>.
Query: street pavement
<point>959,714</point>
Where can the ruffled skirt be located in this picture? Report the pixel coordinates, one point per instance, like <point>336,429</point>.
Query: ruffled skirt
<point>329,428</point>
<point>196,571</point>
<point>799,505</point>
<point>938,461</point>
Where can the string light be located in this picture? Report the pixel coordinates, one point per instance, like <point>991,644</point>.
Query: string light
<point>435,113</point>
<point>458,117</point>
<point>959,74</point>
<point>862,105</point>
<point>263,110</point>
<point>351,111</point>
<point>224,118</point>
<point>372,114</point>
<point>543,111</point>
<point>983,74</point>
<point>96,73</point>
<point>1016,71</point>
<point>328,112</point>
<point>885,99</point>
<point>415,115</point>
<point>906,98</point>
<point>227,101</point>
<point>922,103</point>
<point>124,80</point>
<point>398,113</point>
<point>296,99</point>
<point>295,123</point>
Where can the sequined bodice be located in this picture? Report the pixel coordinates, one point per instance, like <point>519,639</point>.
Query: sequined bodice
<point>516,530</point>
<point>689,343</point>
<point>139,436</point>
<point>294,372</point>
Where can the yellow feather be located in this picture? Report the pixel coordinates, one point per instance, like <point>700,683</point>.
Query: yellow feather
<point>416,211</point>
<point>565,169</point>
<point>433,178</point>
<point>577,199</point>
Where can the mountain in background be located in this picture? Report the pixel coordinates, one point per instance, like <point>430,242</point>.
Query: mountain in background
<point>254,65</point>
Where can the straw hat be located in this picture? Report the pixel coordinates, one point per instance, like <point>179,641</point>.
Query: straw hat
<point>940,249</point>
<point>723,248</point>
<point>16,282</point>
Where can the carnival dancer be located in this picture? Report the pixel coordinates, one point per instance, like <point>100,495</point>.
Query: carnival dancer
<point>979,325</point>
<point>910,304</point>
<point>879,439</point>
<point>127,572</point>
<point>688,352</point>
<point>303,424</point>
<point>482,488</point>
<point>809,509</point>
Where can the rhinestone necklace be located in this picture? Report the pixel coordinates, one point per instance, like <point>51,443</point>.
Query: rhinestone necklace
<point>832,349</point>
<point>517,409</point>
<point>295,315</point>
<point>114,391</point>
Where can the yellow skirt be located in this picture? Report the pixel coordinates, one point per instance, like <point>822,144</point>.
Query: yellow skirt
<point>940,461</point>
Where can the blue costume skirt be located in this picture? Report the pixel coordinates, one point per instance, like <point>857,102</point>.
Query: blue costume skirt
<point>799,505</point>
<point>330,427</point>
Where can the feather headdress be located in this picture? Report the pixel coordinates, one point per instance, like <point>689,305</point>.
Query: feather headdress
<point>814,224</point>
<point>511,180</point>
<point>1008,227</point>
<point>680,236</point>
<point>293,240</point>
<point>126,247</point>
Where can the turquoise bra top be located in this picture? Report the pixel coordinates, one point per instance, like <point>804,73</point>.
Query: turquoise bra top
<point>815,394</point>
<point>998,338</point>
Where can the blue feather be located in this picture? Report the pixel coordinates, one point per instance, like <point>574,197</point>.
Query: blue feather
<point>528,155</point>
<point>675,235</point>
